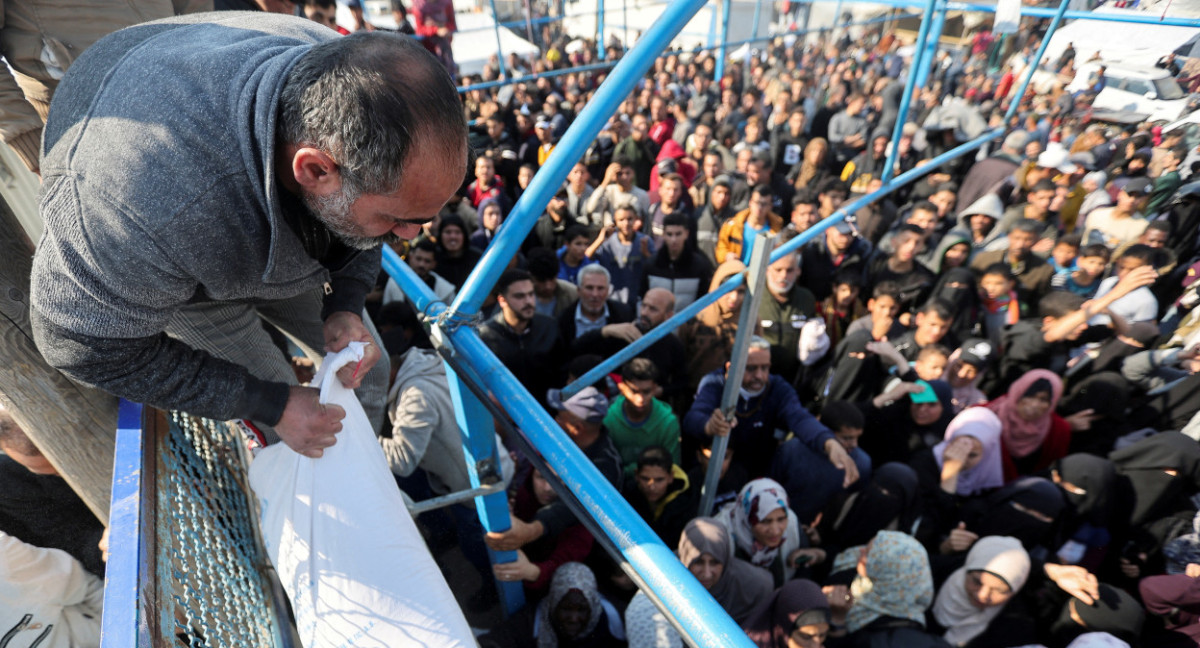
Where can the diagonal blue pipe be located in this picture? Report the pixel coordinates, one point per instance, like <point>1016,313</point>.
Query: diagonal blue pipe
<point>1033,64</point>
<point>698,617</point>
<point>573,145</point>
<point>1040,12</point>
<point>910,84</point>
<point>624,355</point>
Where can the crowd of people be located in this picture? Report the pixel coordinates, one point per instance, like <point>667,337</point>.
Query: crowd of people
<point>965,412</point>
<point>966,416</point>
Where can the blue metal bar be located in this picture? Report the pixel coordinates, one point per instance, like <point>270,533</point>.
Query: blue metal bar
<point>510,24</point>
<point>535,76</point>
<point>711,42</point>
<point>675,321</point>
<point>723,47</point>
<point>1039,12</point>
<point>701,620</point>
<point>1035,61</point>
<point>906,99</point>
<point>496,29</point>
<point>753,33</point>
<point>475,425</point>
<point>930,44</point>
<point>487,85</point>
<point>574,143</point>
<point>600,31</point>
<point>128,562</point>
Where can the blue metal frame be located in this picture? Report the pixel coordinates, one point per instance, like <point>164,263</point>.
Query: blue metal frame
<point>699,617</point>
<point>600,48</point>
<point>130,562</point>
<point>653,335</point>
<point>570,149</point>
<point>1037,58</point>
<point>930,45</point>
<point>1038,12</point>
<point>910,84</point>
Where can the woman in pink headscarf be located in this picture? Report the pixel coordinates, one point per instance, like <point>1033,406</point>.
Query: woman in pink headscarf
<point>1033,435</point>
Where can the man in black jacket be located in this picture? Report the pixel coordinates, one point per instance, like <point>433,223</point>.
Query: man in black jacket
<point>524,340</point>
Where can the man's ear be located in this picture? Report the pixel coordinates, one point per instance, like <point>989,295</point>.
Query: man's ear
<point>315,171</point>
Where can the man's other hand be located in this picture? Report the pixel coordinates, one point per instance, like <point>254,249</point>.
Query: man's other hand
<point>307,426</point>
<point>842,461</point>
<point>342,328</point>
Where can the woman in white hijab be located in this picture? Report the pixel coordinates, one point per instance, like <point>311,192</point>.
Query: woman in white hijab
<point>973,596</point>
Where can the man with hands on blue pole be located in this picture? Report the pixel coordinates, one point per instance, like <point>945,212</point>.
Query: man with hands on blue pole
<point>767,409</point>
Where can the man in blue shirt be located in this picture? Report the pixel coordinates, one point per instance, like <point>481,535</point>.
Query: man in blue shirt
<point>767,409</point>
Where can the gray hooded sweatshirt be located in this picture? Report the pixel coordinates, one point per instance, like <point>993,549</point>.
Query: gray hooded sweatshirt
<point>159,190</point>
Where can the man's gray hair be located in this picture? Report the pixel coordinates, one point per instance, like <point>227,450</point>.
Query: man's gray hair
<point>365,99</point>
<point>758,343</point>
<point>591,269</point>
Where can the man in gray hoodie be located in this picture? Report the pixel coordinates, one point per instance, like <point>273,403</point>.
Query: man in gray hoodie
<point>201,173</point>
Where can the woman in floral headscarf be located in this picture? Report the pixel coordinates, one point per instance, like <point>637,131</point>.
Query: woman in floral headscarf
<point>765,530</point>
<point>892,589</point>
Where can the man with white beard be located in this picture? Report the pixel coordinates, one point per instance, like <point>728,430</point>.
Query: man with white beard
<point>784,312</point>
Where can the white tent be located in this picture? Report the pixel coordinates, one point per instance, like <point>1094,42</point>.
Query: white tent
<point>1129,43</point>
<point>473,46</point>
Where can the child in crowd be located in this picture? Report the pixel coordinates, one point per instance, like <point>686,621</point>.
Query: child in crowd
<point>842,308</point>
<point>1090,266</point>
<point>637,419</point>
<point>998,293</point>
<point>573,255</point>
<point>1063,256</point>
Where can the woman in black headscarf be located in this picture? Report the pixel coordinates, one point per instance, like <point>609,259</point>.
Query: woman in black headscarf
<point>1111,353</point>
<point>856,374</point>
<point>1025,509</point>
<point>1163,471</point>
<point>794,615</point>
<point>958,288</point>
<point>1106,395</point>
<point>887,503</point>
<point>906,420</point>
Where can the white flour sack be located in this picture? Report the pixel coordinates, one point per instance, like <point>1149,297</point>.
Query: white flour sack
<point>350,557</point>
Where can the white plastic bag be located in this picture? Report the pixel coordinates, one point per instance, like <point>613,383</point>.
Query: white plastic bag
<point>350,557</point>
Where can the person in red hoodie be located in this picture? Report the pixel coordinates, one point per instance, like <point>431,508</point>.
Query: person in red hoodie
<point>672,159</point>
<point>662,124</point>
<point>434,22</point>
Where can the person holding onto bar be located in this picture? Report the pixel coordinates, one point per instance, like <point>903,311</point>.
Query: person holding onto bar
<point>768,410</point>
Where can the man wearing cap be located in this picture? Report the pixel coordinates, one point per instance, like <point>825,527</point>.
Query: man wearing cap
<point>840,250</point>
<point>1122,222</point>
<point>767,411</point>
<point>581,417</point>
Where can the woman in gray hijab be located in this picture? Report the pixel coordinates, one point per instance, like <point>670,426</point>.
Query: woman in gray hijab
<point>707,550</point>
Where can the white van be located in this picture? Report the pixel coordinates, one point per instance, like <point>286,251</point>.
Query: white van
<point>1149,91</point>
